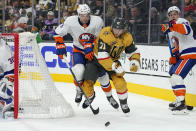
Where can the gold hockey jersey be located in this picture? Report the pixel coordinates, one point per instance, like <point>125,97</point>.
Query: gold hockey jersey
<point>108,48</point>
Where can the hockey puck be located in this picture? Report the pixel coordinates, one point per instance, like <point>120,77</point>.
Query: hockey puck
<point>107,124</point>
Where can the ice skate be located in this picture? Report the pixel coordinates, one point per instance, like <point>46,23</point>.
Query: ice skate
<point>172,105</point>
<point>178,107</point>
<point>113,102</point>
<point>124,106</point>
<point>78,97</point>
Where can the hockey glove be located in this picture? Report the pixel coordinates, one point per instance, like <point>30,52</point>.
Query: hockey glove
<point>134,65</point>
<point>165,28</point>
<point>61,49</point>
<point>173,60</point>
<point>168,27</point>
<point>88,51</point>
<point>116,66</point>
<point>171,23</point>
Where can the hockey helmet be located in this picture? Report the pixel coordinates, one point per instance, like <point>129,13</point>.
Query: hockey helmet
<point>83,9</point>
<point>119,23</point>
<point>173,8</point>
<point>51,13</point>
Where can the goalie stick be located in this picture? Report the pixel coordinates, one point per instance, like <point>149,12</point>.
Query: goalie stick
<point>95,111</point>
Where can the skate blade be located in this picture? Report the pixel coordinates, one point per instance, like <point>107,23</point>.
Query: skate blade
<point>127,114</point>
<point>170,108</point>
<point>182,112</point>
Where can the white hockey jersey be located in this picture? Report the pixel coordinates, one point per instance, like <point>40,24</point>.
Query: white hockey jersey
<point>73,27</point>
<point>6,60</point>
<point>182,38</point>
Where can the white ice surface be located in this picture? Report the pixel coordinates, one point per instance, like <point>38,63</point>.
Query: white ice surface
<point>147,114</point>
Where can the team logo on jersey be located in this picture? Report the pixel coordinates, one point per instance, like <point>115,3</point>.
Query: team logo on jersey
<point>175,44</point>
<point>86,37</point>
<point>115,51</point>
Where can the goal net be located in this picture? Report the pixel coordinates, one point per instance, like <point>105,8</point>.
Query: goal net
<point>35,95</point>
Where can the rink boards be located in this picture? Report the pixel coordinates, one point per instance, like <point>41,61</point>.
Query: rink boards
<point>151,80</point>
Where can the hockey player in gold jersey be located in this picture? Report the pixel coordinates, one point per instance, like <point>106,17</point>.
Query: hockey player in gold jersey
<point>109,45</point>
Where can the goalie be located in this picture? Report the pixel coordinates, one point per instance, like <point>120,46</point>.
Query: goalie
<point>6,76</point>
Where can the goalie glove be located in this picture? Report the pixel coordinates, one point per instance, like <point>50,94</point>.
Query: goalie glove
<point>116,66</point>
<point>134,65</point>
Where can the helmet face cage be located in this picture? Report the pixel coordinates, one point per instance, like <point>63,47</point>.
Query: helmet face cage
<point>119,23</point>
<point>173,8</point>
<point>83,9</point>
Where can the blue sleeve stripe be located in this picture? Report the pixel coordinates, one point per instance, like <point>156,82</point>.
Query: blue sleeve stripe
<point>189,50</point>
<point>55,33</point>
<point>188,29</point>
<point>7,73</point>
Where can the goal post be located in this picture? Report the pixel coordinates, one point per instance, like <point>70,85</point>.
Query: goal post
<point>35,94</point>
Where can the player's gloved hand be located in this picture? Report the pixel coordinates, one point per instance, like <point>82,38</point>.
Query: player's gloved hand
<point>61,49</point>
<point>88,51</point>
<point>168,27</point>
<point>134,65</point>
<point>165,28</point>
<point>171,23</point>
<point>116,66</point>
<point>173,60</point>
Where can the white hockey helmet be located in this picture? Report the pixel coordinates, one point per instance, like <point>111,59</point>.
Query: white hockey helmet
<point>173,8</point>
<point>50,13</point>
<point>83,9</point>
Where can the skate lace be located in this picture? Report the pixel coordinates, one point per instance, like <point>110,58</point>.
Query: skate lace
<point>177,103</point>
<point>124,106</point>
<point>78,94</point>
<point>112,101</point>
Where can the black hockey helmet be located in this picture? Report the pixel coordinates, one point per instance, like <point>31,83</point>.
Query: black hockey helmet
<point>119,23</point>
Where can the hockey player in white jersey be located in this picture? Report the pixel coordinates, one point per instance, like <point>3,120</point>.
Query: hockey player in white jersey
<point>6,76</point>
<point>84,27</point>
<point>183,55</point>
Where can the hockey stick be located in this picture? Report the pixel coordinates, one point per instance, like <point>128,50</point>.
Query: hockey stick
<point>95,112</point>
<point>170,48</point>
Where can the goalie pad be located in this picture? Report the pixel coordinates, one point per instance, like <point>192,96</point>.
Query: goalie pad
<point>6,91</point>
<point>6,88</point>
